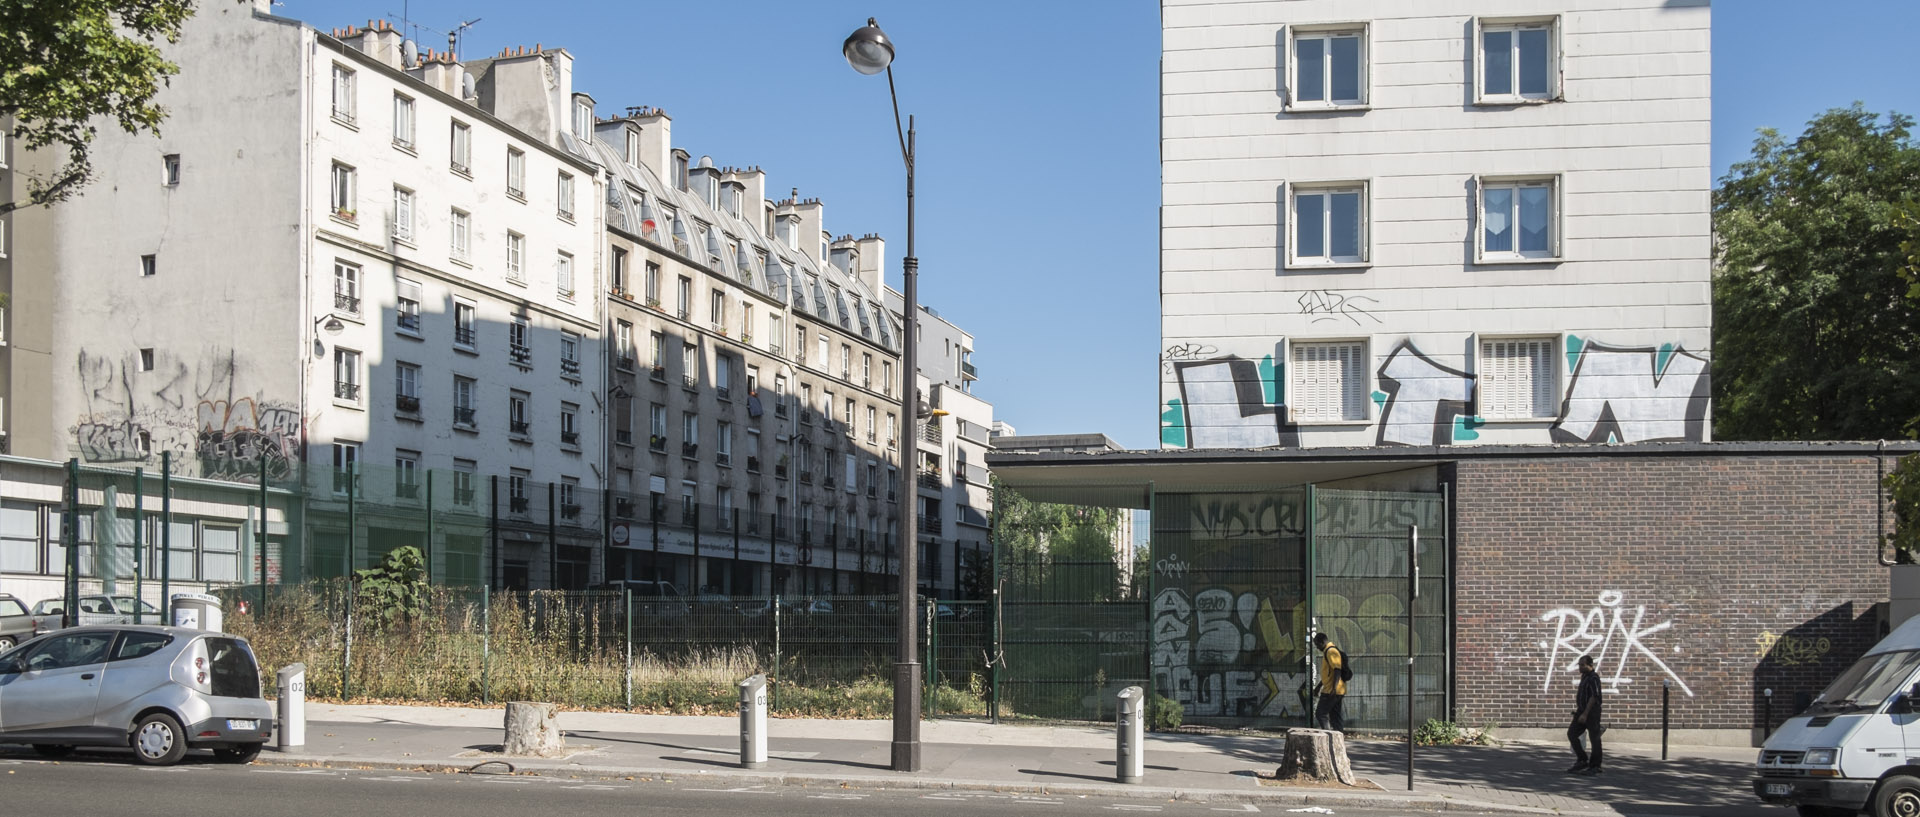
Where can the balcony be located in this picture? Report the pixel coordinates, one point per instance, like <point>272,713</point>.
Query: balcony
<point>690,381</point>
<point>463,335</point>
<point>779,408</point>
<point>967,371</point>
<point>930,480</point>
<point>930,525</point>
<point>346,303</point>
<point>723,393</point>
<point>780,470</point>
<point>521,353</point>
<point>463,416</point>
<point>682,313</point>
<point>872,492</point>
<point>346,391</point>
<point>519,504</point>
<point>806,416</point>
<point>723,458</point>
<point>773,349</point>
<point>519,428</point>
<point>406,403</point>
<point>753,464</point>
<point>658,373</point>
<point>657,443</point>
<point>407,490</point>
<point>829,482</point>
<point>931,432</point>
<point>569,366</point>
<point>569,511</point>
<point>569,438</point>
<point>408,320</point>
<point>342,481</point>
<point>623,437</point>
<point>690,450</point>
<point>463,496</point>
<point>623,508</point>
<point>806,477</point>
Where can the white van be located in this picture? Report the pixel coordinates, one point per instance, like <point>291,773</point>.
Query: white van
<point>1857,747</point>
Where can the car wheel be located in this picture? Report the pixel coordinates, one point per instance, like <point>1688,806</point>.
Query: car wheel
<point>240,755</point>
<point>6,643</point>
<point>1898,796</point>
<point>158,740</point>
<point>52,749</point>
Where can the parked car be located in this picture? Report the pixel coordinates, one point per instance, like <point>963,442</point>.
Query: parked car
<point>657,598</point>
<point>96,610</point>
<point>810,606</point>
<point>157,690</point>
<point>16,624</point>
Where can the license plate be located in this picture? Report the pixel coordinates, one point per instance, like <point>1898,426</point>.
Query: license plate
<point>248,726</point>
<point>1779,789</point>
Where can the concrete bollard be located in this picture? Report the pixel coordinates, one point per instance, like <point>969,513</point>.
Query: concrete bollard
<point>753,722</point>
<point>293,706</point>
<point>1130,763</point>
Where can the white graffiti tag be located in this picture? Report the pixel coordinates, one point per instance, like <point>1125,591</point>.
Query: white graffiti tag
<point>1599,631</point>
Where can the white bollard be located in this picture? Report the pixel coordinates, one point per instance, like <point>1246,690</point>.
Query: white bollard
<point>293,706</point>
<point>753,722</point>
<point>1130,763</point>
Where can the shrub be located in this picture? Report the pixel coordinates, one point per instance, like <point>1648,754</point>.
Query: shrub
<point>1164,713</point>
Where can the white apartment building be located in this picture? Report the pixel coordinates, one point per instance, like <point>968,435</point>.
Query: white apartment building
<point>333,257</point>
<point>954,492</point>
<point>1444,223</point>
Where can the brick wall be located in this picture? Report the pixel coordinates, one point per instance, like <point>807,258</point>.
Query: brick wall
<point>1765,566</point>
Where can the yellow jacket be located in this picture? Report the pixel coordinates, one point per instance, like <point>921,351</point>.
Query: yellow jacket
<point>1330,663</point>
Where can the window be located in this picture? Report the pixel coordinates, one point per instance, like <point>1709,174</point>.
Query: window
<point>346,375</point>
<point>341,193</point>
<point>657,427</point>
<point>846,362</point>
<point>346,288</point>
<point>690,364</point>
<point>565,195</point>
<point>146,359</point>
<point>569,354</point>
<point>886,378</point>
<point>1329,68</point>
<point>402,214</point>
<point>345,454</point>
<point>343,96</point>
<point>563,275</point>
<point>517,479</point>
<point>518,422</point>
<point>518,346</point>
<point>569,432</point>
<point>653,284</point>
<point>656,350</point>
<point>723,376</point>
<point>689,433</point>
<point>633,148</point>
<point>866,370</point>
<point>463,325</point>
<point>1329,225</point>
<point>463,391</point>
<point>517,173</point>
<point>463,481</point>
<point>775,339</point>
<point>516,257</point>
<point>462,231</point>
<point>582,117</point>
<point>170,169</point>
<point>149,266</point>
<point>723,442</point>
<point>717,311</point>
<point>1517,220</point>
<point>680,171</point>
<point>406,473</point>
<point>403,121</point>
<point>623,344</point>
<point>1516,378</point>
<point>826,351</point>
<point>685,293</point>
<point>1329,382</point>
<point>407,317</point>
<point>461,151</point>
<point>893,429</point>
<point>406,388</point>
<point>849,415</point>
<point>746,321</point>
<point>872,427</point>
<point>1518,62</point>
<point>619,270</point>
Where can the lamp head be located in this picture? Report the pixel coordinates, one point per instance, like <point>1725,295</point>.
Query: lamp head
<point>867,49</point>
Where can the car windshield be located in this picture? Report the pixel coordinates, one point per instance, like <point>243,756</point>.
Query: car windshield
<point>1868,683</point>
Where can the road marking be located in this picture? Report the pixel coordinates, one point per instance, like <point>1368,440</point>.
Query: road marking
<point>595,787</point>
<point>743,790</point>
<point>837,796</point>
<point>1128,807</point>
<point>1243,807</point>
<point>293,771</point>
<point>396,778</point>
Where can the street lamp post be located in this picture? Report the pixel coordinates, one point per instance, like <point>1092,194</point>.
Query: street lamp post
<point>870,52</point>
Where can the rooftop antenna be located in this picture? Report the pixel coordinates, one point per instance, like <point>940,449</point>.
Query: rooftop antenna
<point>453,37</point>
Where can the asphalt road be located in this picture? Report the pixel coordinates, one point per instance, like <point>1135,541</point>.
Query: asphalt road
<point>92,784</point>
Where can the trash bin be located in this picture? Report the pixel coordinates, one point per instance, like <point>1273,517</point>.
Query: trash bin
<point>197,611</point>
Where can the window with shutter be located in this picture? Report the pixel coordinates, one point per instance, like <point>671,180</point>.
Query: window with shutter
<point>1517,378</point>
<point>1329,381</point>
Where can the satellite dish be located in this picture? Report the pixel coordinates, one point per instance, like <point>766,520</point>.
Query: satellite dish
<point>409,54</point>
<point>466,87</point>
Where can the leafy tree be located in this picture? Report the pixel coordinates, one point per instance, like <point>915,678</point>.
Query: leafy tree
<point>65,63</point>
<point>1064,551</point>
<point>1903,488</point>
<point>1815,336</point>
<point>395,590</point>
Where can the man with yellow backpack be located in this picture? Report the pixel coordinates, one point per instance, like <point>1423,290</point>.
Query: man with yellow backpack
<point>1333,684</point>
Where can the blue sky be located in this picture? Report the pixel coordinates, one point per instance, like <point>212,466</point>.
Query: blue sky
<point>1038,184</point>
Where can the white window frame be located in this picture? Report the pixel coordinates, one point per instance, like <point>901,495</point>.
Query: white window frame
<point>346,282</point>
<point>460,149</point>
<point>345,97</point>
<point>563,275</point>
<point>516,257</point>
<point>1555,86</point>
<point>471,312</point>
<point>347,363</point>
<point>633,147</point>
<point>406,380</point>
<point>1486,377</point>
<point>1291,394</point>
<point>403,122</point>
<point>1327,31</point>
<point>564,196</point>
<point>517,174</point>
<point>1294,191</point>
<point>343,191</point>
<point>169,169</point>
<point>460,234</point>
<point>1555,220</point>
<point>408,296</point>
<point>402,214</point>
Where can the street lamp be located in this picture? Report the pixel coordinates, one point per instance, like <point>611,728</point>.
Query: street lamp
<point>869,51</point>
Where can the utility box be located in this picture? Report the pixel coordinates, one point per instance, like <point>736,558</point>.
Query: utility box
<point>753,722</point>
<point>197,611</point>
<point>293,706</point>
<point>1129,762</point>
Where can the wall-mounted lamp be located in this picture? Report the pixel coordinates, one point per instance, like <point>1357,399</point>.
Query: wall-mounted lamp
<point>619,392</point>
<point>332,327</point>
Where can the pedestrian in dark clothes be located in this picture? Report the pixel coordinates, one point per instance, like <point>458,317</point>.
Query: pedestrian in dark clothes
<point>1586,720</point>
<point>1333,688</point>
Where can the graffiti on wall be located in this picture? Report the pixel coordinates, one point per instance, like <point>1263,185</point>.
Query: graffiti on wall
<point>1612,394</point>
<point>135,407</point>
<point>1214,652</point>
<point>1614,634</point>
<point>1791,650</point>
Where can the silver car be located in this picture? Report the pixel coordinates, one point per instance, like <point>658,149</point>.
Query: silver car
<point>158,690</point>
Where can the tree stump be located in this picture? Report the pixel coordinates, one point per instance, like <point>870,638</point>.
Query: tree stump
<point>1316,754</point>
<point>531,730</point>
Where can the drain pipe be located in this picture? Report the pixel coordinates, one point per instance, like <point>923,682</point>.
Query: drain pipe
<point>1880,506</point>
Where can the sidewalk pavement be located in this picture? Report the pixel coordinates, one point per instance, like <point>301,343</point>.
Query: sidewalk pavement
<point>1059,759</point>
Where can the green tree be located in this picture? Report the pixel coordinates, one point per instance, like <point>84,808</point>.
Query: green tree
<point>1814,335</point>
<point>66,64</point>
<point>1065,551</point>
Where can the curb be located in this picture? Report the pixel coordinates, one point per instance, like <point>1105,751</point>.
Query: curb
<point>1367,800</point>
